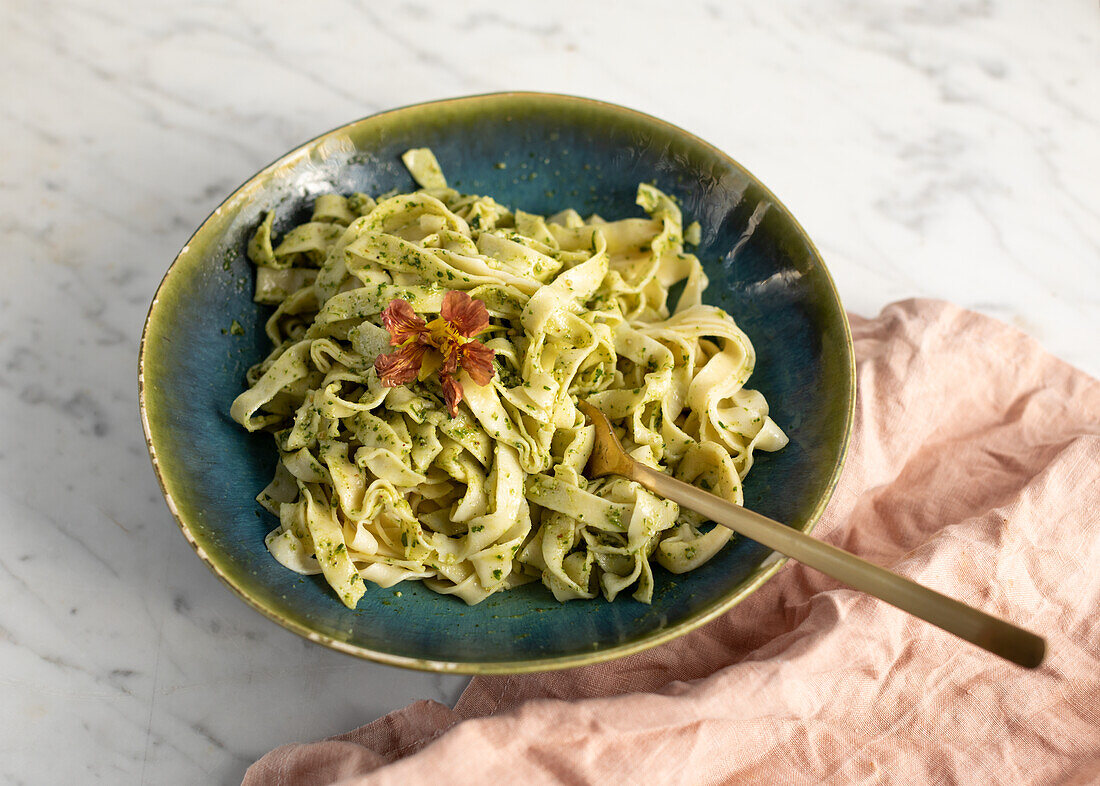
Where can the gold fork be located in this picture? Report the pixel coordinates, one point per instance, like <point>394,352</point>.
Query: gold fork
<point>988,632</point>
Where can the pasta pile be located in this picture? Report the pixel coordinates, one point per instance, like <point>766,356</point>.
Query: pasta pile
<point>381,483</point>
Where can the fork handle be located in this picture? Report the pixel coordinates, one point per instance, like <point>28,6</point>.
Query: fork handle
<point>988,632</point>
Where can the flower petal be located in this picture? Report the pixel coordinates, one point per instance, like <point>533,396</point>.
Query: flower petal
<point>401,322</point>
<point>468,316</point>
<point>401,367</point>
<point>452,360</point>
<point>477,360</point>
<point>452,394</point>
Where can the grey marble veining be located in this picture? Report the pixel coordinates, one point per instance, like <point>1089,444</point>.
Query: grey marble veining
<point>941,149</point>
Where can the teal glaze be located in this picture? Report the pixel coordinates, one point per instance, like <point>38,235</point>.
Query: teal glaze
<point>556,152</point>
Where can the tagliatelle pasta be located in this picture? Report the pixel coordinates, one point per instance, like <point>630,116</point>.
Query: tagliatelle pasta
<point>379,482</point>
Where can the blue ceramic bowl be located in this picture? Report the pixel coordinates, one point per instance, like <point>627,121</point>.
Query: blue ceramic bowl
<point>557,151</point>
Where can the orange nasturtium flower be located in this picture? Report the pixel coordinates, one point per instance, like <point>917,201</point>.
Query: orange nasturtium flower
<point>444,345</point>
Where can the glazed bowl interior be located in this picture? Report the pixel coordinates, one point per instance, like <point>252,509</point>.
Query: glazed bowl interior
<point>540,153</point>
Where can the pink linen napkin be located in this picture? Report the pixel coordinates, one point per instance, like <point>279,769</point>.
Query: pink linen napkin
<point>974,469</point>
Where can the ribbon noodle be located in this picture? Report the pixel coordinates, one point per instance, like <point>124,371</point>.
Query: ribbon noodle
<point>379,485</point>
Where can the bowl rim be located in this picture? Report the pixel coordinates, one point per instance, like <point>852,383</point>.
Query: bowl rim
<point>764,571</point>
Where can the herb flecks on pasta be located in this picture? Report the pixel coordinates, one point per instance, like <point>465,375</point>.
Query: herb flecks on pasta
<point>386,474</point>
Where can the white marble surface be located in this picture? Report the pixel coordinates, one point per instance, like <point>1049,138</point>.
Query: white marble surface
<point>947,149</point>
